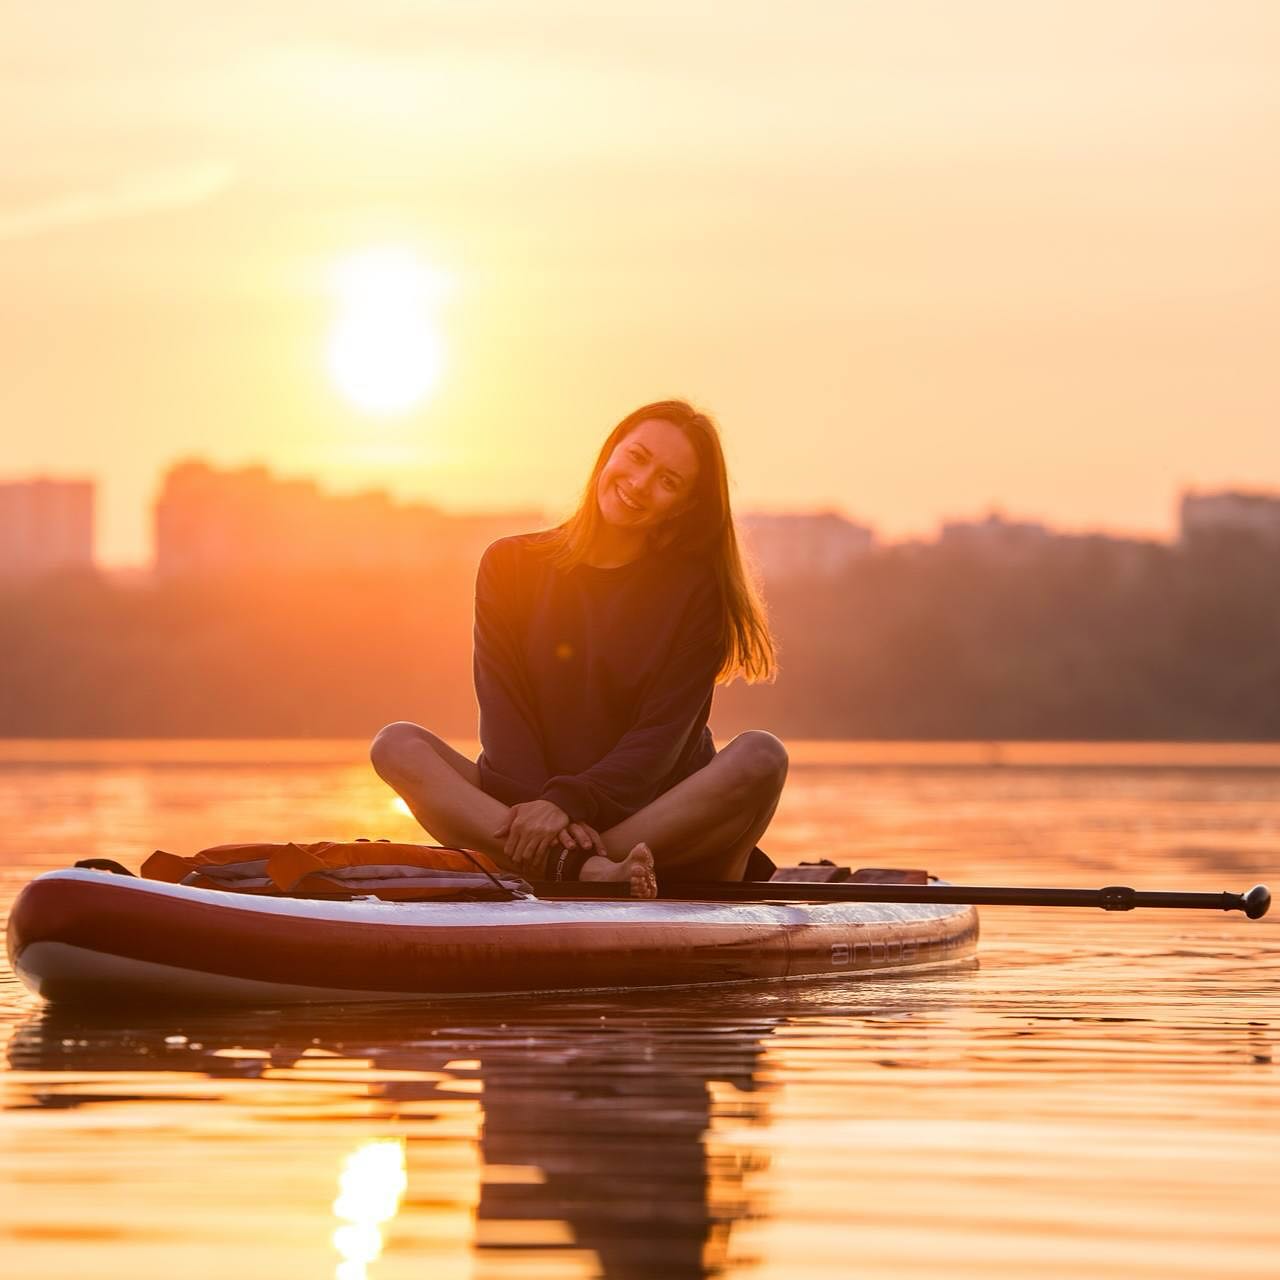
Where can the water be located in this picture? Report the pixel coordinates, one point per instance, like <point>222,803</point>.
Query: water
<point>1098,1097</point>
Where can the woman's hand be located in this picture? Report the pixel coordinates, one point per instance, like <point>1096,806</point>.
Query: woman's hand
<point>530,830</point>
<point>577,835</point>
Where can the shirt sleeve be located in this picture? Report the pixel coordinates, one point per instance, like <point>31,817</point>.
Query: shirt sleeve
<point>677,701</point>
<point>508,727</point>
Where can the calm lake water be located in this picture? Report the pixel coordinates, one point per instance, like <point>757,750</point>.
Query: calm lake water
<point>1097,1097</point>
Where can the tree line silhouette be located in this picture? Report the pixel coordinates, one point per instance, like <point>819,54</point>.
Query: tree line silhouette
<point>1073,638</point>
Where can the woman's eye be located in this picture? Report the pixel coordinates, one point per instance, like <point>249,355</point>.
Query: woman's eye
<point>669,482</point>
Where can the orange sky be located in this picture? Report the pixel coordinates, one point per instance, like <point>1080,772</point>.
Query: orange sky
<point>919,258</point>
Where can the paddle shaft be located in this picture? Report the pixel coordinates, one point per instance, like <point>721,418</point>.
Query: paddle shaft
<point>1254,903</point>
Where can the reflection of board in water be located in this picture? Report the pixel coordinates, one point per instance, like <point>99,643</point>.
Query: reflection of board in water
<point>598,1131</point>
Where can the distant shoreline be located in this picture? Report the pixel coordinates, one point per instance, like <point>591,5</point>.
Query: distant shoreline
<point>811,753</point>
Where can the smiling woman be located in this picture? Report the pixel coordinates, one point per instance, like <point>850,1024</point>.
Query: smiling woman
<point>598,645</point>
<point>385,352</point>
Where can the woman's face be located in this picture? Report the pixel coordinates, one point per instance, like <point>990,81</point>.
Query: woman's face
<point>649,476</point>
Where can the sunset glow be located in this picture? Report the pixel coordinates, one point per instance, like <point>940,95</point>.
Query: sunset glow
<point>956,258</point>
<point>516,518</point>
<point>385,352</point>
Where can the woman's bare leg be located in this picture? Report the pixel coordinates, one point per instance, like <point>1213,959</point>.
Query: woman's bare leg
<point>440,786</point>
<point>442,789</point>
<point>706,826</point>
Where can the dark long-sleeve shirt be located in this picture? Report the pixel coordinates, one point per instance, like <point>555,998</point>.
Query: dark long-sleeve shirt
<point>594,684</point>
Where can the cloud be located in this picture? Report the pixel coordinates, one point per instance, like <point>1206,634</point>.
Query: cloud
<point>176,188</point>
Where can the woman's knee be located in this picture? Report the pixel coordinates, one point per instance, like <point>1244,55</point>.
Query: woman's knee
<point>761,758</point>
<point>389,743</point>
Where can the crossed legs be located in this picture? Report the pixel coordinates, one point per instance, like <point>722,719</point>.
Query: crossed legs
<point>703,828</point>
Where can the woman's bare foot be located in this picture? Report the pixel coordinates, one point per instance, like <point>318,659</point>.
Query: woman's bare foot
<point>636,867</point>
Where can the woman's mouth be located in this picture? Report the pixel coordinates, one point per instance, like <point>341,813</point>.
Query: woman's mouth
<point>630,503</point>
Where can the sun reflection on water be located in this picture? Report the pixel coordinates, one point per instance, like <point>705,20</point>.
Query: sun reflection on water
<point>370,1186</point>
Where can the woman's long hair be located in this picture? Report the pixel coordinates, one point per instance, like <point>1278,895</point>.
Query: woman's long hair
<point>703,530</point>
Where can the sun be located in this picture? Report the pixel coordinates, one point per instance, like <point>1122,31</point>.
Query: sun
<point>385,353</point>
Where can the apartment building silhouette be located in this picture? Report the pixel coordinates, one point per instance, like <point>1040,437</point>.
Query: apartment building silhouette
<point>45,526</point>
<point>214,521</point>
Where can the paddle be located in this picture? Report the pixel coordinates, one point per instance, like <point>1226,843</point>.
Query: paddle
<point>1254,903</point>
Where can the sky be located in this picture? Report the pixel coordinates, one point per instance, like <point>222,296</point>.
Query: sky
<point>920,259</point>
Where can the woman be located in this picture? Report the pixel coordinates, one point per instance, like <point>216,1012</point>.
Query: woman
<point>597,647</point>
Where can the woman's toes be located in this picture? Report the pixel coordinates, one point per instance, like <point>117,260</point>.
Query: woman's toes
<point>643,885</point>
<point>644,882</point>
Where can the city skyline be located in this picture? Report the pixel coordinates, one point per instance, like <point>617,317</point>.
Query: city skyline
<point>48,521</point>
<point>915,260</point>
<point>141,544</point>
